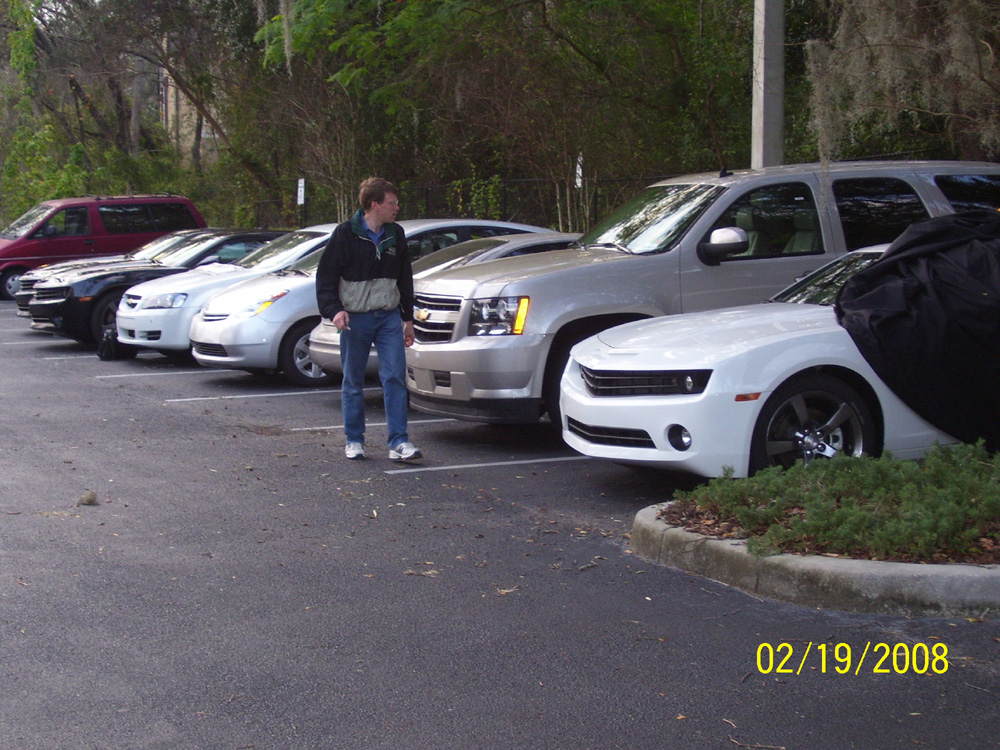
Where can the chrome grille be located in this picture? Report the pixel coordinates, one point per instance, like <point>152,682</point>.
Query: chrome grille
<point>209,350</point>
<point>26,284</point>
<point>619,436</point>
<point>434,318</point>
<point>644,382</point>
<point>58,292</point>
<point>213,317</point>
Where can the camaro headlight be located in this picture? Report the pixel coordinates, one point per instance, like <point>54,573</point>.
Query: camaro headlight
<point>164,301</point>
<point>499,316</point>
<point>260,304</point>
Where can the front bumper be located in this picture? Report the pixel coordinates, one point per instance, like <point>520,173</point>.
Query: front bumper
<point>324,350</point>
<point>240,344</point>
<point>166,328</point>
<point>635,429</point>
<point>68,316</point>
<point>480,379</point>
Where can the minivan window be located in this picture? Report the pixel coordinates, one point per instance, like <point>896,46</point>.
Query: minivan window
<point>69,222</point>
<point>654,220</point>
<point>779,219</point>
<point>971,192</point>
<point>169,217</point>
<point>26,221</point>
<point>126,218</point>
<point>874,210</point>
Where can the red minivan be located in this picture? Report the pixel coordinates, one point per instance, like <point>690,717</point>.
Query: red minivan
<point>72,228</point>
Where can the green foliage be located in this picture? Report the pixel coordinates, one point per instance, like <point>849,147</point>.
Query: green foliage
<point>943,506</point>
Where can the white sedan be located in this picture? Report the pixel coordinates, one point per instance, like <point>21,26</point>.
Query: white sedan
<point>263,324</point>
<point>745,388</point>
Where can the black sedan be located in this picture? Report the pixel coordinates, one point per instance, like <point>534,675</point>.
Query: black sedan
<point>80,302</point>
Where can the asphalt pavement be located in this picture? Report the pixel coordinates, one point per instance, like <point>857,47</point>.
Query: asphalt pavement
<point>236,583</point>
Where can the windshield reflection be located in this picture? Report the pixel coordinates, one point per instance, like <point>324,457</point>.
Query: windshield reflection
<point>821,286</point>
<point>654,220</point>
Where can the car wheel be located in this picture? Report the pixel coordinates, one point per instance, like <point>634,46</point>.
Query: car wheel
<point>104,313</point>
<point>814,416</point>
<point>10,283</point>
<point>294,361</point>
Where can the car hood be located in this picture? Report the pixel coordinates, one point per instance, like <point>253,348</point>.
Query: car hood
<point>696,339</point>
<point>95,270</point>
<point>198,282</point>
<point>44,272</point>
<point>238,296</point>
<point>490,278</point>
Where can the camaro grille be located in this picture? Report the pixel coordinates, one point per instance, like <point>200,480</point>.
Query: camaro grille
<point>60,292</point>
<point>209,350</point>
<point>644,382</point>
<point>620,436</point>
<point>434,318</point>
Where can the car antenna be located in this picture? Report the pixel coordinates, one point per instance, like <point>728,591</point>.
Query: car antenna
<point>724,172</point>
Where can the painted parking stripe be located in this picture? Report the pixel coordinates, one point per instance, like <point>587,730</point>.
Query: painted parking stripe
<point>368,424</point>
<point>325,391</point>
<point>455,467</point>
<point>154,374</point>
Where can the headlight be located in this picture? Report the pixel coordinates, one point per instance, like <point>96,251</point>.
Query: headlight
<point>164,301</point>
<point>260,304</point>
<point>498,317</point>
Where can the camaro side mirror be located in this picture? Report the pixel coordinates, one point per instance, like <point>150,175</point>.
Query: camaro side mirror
<point>721,244</point>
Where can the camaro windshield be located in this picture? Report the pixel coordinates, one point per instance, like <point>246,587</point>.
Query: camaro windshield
<point>821,286</point>
<point>654,220</point>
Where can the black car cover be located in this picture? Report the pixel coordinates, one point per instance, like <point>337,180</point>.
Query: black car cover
<point>926,317</point>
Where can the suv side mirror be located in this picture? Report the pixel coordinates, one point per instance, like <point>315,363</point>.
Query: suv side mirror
<point>721,244</point>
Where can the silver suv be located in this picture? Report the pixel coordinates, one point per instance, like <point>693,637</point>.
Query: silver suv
<point>493,339</point>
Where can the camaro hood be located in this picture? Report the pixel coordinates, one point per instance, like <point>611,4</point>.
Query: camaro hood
<point>491,278</point>
<point>698,338</point>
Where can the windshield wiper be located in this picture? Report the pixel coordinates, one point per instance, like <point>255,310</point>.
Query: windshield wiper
<point>613,245</point>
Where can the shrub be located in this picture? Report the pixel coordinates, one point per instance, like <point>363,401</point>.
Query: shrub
<point>944,507</point>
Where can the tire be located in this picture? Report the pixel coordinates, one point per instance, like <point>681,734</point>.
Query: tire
<point>558,357</point>
<point>104,313</point>
<point>294,361</point>
<point>10,283</point>
<point>812,416</point>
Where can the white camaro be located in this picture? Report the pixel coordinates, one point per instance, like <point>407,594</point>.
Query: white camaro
<point>746,387</point>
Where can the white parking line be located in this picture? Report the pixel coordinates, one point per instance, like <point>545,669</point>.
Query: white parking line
<point>367,424</point>
<point>455,467</point>
<point>325,391</point>
<point>155,374</point>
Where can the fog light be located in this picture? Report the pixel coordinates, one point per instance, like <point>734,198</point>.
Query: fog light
<point>679,437</point>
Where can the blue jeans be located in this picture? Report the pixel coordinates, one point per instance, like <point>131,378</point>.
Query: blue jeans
<point>384,328</point>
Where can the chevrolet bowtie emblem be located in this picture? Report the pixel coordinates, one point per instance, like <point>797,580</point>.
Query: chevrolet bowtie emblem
<point>421,315</point>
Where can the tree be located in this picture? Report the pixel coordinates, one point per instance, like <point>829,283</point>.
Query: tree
<point>911,72</point>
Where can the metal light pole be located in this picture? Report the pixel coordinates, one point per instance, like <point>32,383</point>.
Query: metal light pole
<point>767,146</point>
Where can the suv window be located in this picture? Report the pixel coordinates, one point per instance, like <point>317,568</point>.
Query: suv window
<point>874,210</point>
<point>126,218</point>
<point>971,192</point>
<point>170,217</point>
<point>778,219</point>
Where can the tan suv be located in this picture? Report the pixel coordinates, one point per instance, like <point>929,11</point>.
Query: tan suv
<point>492,340</point>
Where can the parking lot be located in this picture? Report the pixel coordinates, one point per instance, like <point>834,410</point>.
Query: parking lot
<point>239,584</point>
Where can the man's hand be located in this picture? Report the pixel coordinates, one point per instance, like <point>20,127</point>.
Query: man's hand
<point>408,335</point>
<point>342,320</point>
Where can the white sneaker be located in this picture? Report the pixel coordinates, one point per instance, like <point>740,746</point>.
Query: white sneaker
<point>354,451</point>
<point>404,452</point>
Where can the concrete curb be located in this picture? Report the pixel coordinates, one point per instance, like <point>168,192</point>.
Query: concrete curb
<point>908,589</point>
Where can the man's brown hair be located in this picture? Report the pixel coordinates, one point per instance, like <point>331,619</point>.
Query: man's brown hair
<point>374,189</point>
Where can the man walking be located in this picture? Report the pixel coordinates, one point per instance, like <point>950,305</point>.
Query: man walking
<point>364,284</point>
